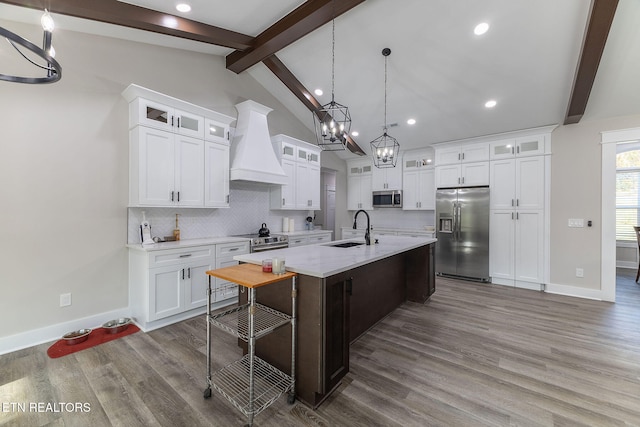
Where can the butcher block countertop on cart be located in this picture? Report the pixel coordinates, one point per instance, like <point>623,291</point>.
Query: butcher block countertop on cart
<point>342,292</point>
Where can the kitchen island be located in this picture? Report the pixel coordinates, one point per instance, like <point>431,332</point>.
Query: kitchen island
<point>342,293</point>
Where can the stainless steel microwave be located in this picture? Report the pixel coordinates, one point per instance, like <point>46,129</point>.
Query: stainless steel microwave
<point>387,199</point>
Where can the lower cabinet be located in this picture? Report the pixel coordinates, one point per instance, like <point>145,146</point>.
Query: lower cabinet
<point>516,248</point>
<point>309,239</point>
<point>166,284</point>
<point>337,296</point>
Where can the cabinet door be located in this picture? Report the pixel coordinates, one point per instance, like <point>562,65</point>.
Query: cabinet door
<point>475,174</point>
<point>314,186</point>
<point>196,284</point>
<point>366,196</point>
<point>378,179</point>
<point>288,151</point>
<point>336,350</point>
<point>189,124</point>
<point>189,182</point>
<point>298,241</point>
<point>448,176</point>
<point>474,153</point>
<point>165,292</point>
<point>216,174</point>
<point>353,193</point>
<point>529,248</point>
<point>530,146</point>
<point>302,186</point>
<point>155,115</point>
<point>501,244</point>
<point>287,191</point>
<point>216,132</point>
<point>502,183</point>
<point>529,182</point>
<point>504,149</point>
<point>448,155</point>
<point>410,189</point>
<point>427,194</point>
<point>156,166</point>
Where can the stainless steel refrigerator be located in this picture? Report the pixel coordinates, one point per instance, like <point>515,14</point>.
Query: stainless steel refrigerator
<point>462,229</point>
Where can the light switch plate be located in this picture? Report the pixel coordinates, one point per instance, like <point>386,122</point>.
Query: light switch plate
<point>65,300</point>
<point>576,222</point>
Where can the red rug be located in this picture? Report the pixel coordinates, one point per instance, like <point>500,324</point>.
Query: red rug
<point>96,337</point>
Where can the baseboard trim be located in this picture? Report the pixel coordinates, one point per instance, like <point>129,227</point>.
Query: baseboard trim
<point>52,333</point>
<point>574,291</point>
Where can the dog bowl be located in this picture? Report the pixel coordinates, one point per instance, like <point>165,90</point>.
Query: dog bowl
<point>117,325</point>
<point>76,337</point>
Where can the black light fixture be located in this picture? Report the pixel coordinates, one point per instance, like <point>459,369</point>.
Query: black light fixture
<point>47,53</point>
<point>385,148</point>
<point>332,120</point>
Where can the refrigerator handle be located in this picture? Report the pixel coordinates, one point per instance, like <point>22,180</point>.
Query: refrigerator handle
<point>455,221</point>
<point>459,221</point>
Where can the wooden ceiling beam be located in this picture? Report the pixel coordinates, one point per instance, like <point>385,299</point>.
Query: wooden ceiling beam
<point>600,20</point>
<point>293,84</point>
<point>127,15</point>
<point>309,16</point>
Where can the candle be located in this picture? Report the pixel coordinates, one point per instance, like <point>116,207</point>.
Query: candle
<point>278,266</point>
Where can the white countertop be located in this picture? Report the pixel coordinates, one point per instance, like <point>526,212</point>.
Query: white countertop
<point>187,243</point>
<point>323,260</point>
<point>305,232</point>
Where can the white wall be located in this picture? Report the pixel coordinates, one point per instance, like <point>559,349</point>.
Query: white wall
<point>576,193</point>
<point>64,169</point>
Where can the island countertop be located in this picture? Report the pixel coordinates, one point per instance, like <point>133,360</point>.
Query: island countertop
<point>324,260</point>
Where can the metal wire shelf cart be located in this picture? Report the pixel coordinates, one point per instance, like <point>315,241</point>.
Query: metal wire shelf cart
<point>251,384</point>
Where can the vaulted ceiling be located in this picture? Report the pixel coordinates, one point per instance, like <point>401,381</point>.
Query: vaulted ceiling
<point>539,60</point>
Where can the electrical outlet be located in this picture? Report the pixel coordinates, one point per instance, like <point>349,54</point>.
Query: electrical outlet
<point>576,222</point>
<point>65,300</point>
<point>579,272</point>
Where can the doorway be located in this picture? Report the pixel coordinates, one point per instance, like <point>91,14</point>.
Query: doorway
<point>327,214</point>
<point>609,142</point>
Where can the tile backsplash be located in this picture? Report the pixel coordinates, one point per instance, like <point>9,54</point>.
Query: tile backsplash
<point>249,209</point>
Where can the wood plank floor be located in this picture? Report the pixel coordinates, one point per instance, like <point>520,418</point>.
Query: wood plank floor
<point>474,355</point>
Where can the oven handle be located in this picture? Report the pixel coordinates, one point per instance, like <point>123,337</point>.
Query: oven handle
<point>269,248</point>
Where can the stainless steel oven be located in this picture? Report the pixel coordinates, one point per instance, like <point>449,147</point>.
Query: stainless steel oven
<point>266,243</point>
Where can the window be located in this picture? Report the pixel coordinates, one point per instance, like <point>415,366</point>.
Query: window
<point>627,191</point>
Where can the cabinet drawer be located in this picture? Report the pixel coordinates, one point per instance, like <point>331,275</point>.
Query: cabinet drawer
<point>319,238</point>
<point>180,256</point>
<point>298,241</point>
<point>231,249</point>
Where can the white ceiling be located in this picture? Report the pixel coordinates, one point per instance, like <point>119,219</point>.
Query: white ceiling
<point>439,72</point>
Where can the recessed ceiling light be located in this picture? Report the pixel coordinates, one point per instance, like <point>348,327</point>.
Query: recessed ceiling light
<point>355,133</point>
<point>481,29</point>
<point>318,92</point>
<point>411,121</point>
<point>170,21</point>
<point>183,7</point>
<point>490,103</point>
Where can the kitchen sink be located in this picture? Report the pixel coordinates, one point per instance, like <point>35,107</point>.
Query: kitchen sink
<point>347,244</point>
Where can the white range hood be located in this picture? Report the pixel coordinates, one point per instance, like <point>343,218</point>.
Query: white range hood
<point>252,155</point>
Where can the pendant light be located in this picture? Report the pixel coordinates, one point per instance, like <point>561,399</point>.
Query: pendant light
<point>332,120</point>
<point>47,52</point>
<point>385,148</point>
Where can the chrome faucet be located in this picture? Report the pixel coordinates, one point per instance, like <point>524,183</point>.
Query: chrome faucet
<point>367,237</point>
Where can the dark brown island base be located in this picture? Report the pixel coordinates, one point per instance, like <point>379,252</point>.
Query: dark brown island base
<point>337,303</point>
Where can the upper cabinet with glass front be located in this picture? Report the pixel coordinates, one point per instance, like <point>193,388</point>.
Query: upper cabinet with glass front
<point>159,116</point>
<point>533,145</point>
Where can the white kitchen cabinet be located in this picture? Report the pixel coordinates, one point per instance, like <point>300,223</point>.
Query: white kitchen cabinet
<point>533,145</point>
<point>169,164</point>
<point>518,183</point>
<point>457,153</point>
<point>301,163</point>
<point>419,189</point>
<point>223,289</point>
<point>309,238</point>
<point>165,117</point>
<point>359,185</point>
<point>516,248</point>
<point>169,285</point>
<point>216,175</point>
<point>387,178</point>
<point>464,174</point>
<point>177,281</point>
<point>165,169</point>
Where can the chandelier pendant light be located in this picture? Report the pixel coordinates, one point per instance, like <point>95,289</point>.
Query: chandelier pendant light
<point>332,120</point>
<point>385,148</point>
<point>47,53</point>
